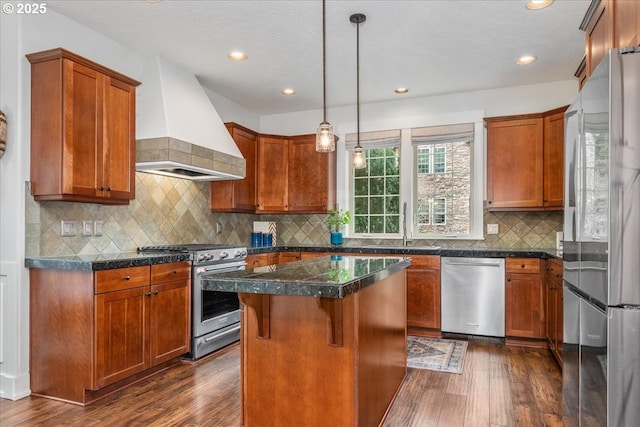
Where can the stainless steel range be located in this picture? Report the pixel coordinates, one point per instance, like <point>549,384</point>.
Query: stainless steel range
<point>215,315</point>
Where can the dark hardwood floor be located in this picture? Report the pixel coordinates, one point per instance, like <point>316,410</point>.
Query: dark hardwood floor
<point>500,386</point>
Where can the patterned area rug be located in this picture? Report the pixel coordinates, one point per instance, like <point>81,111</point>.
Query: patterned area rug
<point>436,354</point>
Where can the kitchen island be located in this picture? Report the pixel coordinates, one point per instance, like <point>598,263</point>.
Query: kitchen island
<point>323,341</point>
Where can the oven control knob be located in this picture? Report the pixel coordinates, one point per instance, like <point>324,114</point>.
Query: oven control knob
<point>202,257</point>
<point>240,254</point>
<point>209,257</point>
<point>224,255</point>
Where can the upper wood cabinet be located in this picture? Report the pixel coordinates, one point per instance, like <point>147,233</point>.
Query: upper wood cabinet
<point>82,130</point>
<point>273,174</point>
<point>609,24</point>
<point>238,195</point>
<point>284,175</point>
<point>525,158</point>
<point>312,177</point>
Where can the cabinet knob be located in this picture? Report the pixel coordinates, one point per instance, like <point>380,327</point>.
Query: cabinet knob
<point>127,277</point>
<point>156,292</point>
<point>546,200</point>
<point>101,188</point>
<point>522,265</point>
<point>108,188</point>
<point>489,201</point>
<point>508,279</point>
<point>175,271</point>
<point>147,294</point>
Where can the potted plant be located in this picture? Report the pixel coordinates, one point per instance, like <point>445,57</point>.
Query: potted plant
<point>336,219</point>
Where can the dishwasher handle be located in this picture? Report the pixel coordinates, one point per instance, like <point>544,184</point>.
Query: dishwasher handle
<point>474,264</point>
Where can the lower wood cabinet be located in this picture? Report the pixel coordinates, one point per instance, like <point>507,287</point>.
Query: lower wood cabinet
<point>261,260</point>
<point>554,307</point>
<point>524,314</point>
<point>90,330</point>
<point>289,256</point>
<point>423,292</point>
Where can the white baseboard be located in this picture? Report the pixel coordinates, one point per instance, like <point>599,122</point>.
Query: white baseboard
<point>13,388</point>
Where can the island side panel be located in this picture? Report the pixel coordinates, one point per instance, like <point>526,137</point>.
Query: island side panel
<point>295,378</point>
<point>382,346</point>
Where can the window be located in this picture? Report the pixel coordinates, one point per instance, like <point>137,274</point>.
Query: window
<point>442,180</point>
<point>375,192</point>
<point>431,160</point>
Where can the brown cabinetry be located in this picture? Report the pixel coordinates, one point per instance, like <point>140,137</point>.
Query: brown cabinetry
<point>525,156</point>
<point>609,24</point>
<point>524,316</point>
<point>94,330</point>
<point>423,292</point>
<point>238,195</point>
<point>82,130</point>
<point>273,174</point>
<point>554,307</point>
<point>261,260</point>
<point>284,175</point>
<point>289,256</point>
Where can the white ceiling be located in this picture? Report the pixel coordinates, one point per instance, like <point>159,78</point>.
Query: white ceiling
<point>432,47</point>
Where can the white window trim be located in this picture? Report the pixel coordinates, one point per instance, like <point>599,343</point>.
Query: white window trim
<point>344,190</point>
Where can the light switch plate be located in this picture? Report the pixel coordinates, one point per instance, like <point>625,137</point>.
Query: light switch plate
<point>493,229</point>
<point>97,228</point>
<point>68,228</point>
<point>87,228</point>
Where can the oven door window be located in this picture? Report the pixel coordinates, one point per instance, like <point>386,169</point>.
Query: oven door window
<point>216,304</point>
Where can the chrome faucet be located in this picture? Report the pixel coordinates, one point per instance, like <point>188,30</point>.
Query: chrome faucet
<point>404,224</point>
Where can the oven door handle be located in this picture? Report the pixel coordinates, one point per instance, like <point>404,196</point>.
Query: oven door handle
<point>220,269</point>
<point>226,332</point>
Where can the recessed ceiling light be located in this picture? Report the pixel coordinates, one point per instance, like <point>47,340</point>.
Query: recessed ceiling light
<point>527,59</point>
<point>538,4</point>
<point>236,55</point>
<point>288,91</point>
<point>402,90</point>
<point>152,1</point>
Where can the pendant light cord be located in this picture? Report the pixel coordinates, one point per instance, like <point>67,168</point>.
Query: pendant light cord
<point>324,64</point>
<point>358,81</point>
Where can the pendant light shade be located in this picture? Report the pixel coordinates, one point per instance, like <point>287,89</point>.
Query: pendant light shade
<point>359,160</point>
<point>325,141</point>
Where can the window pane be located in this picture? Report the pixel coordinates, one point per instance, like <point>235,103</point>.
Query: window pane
<point>393,224</point>
<point>377,205</point>
<point>361,186</point>
<point>423,160</point>
<point>376,198</point>
<point>443,197</point>
<point>377,224</point>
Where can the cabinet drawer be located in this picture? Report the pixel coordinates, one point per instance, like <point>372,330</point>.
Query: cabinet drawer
<point>431,262</point>
<point>522,265</point>
<point>554,270</point>
<point>121,278</point>
<point>162,273</point>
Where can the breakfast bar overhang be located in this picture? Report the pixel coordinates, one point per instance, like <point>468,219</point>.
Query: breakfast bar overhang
<point>323,341</point>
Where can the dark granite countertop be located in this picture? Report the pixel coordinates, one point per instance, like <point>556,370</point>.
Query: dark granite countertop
<point>97,262</point>
<point>335,276</point>
<point>103,261</point>
<point>417,250</point>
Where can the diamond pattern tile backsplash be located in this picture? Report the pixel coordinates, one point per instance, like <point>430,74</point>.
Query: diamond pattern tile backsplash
<point>172,211</point>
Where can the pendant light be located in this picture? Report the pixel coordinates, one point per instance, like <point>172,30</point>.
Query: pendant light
<point>359,160</point>
<point>325,141</point>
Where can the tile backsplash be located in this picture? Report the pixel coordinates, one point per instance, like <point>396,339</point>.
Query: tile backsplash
<point>172,211</point>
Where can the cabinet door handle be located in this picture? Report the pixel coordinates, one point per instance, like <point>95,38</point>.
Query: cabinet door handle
<point>522,266</point>
<point>127,277</point>
<point>156,292</point>
<point>101,188</point>
<point>108,188</point>
<point>489,201</point>
<point>508,279</point>
<point>147,294</point>
<point>175,271</point>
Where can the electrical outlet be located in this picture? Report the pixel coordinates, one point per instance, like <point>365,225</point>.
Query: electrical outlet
<point>493,229</point>
<point>218,228</point>
<point>87,228</point>
<point>68,228</point>
<point>97,228</point>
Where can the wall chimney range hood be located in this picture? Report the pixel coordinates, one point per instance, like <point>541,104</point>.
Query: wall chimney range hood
<point>178,131</point>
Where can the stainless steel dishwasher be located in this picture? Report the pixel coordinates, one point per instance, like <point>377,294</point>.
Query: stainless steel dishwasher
<point>472,296</point>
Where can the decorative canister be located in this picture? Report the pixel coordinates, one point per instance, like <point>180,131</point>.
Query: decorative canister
<point>3,133</point>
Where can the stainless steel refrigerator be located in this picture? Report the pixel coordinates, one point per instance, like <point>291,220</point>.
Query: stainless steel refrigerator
<point>601,361</point>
